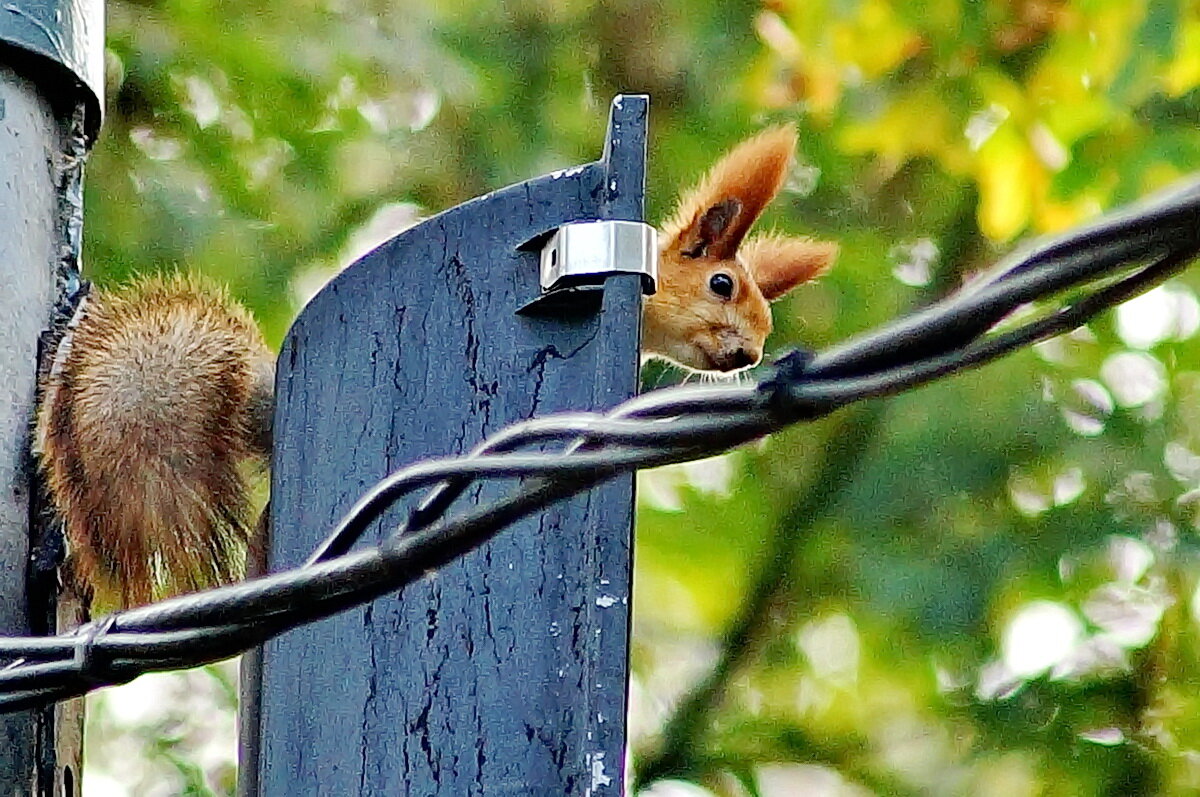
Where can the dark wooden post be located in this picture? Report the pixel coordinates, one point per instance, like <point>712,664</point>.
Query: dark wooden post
<point>51,79</point>
<point>506,672</point>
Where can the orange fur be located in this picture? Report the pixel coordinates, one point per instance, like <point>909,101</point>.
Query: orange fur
<point>780,263</point>
<point>687,321</point>
<point>155,400</point>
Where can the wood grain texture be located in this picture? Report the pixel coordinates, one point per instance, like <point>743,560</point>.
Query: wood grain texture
<point>505,672</point>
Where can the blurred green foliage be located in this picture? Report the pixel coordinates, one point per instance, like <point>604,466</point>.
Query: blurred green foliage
<point>987,586</point>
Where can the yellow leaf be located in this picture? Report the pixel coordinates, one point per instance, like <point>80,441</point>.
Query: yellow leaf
<point>919,123</point>
<point>1183,73</point>
<point>1053,216</point>
<point>1005,172</point>
<point>876,41</point>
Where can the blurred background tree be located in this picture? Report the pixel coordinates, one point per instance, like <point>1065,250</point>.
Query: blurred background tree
<point>987,586</point>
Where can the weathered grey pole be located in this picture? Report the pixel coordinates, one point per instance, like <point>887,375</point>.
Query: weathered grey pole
<point>506,671</point>
<point>51,79</point>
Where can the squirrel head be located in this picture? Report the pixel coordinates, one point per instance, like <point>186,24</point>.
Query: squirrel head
<point>712,311</point>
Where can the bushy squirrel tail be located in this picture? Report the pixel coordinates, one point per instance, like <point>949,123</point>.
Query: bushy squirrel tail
<point>156,400</point>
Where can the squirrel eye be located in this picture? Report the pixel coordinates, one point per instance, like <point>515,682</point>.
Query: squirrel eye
<point>721,284</point>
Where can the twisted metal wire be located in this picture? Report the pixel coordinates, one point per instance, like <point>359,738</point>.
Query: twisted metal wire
<point>1096,267</point>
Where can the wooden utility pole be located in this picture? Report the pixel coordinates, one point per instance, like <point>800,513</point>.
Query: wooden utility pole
<point>505,672</point>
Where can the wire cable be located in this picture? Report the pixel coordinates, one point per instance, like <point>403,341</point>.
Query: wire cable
<point>551,459</point>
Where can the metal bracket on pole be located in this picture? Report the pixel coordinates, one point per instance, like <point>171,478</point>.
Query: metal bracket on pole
<point>577,257</point>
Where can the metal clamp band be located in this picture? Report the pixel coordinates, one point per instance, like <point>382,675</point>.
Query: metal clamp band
<point>585,252</point>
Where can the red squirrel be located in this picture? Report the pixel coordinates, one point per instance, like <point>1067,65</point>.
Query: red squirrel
<point>162,393</point>
<point>711,312</point>
<point>153,405</point>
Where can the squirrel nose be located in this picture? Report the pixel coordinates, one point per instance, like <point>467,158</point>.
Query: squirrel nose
<point>732,360</point>
<point>744,358</point>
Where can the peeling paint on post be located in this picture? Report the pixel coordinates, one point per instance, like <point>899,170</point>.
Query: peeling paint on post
<point>505,672</point>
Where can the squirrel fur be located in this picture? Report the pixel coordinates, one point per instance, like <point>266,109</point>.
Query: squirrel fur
<point>712,311</point>
<point>157,398</point>
<point>162,391</point>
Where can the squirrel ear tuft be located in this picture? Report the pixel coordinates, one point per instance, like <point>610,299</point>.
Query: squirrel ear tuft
<point>779,263</point>
<point>713,218</point>
<point>705,235</point>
